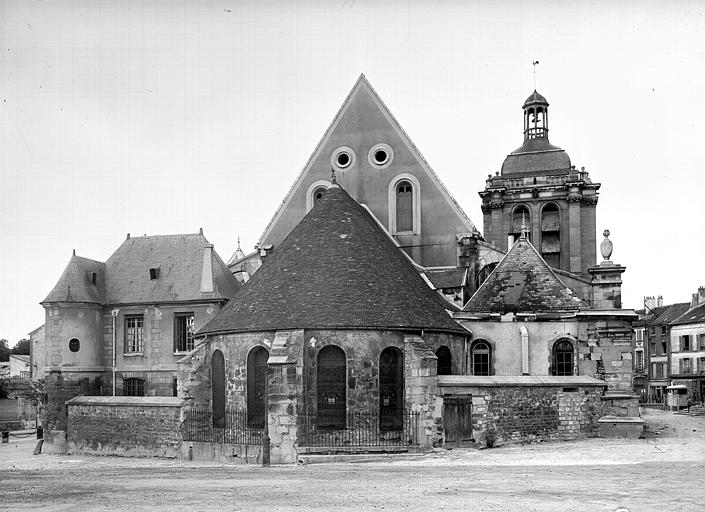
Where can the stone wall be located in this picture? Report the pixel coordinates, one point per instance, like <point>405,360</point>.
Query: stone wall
<point>124,426</point>
<point>60,388</point>
<point>504,415</point>
<point>421,390</point>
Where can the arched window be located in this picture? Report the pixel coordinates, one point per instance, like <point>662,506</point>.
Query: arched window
<point>315,192</point>
<point>445,361</point>
<point>405,206</point>
<point>256,386</point>
<point>563,358</point>
<point>551,235</point>
<point>318,194</point>
<point>218,388</point>
<point>521,216</point>
<point>330,383</point>
<point>391,389</point>
<point>480,357</point>
<point>483,274</point>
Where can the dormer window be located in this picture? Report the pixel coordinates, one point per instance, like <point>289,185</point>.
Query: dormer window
<point>153,273</point>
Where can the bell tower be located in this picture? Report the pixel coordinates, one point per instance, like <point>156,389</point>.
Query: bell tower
<point>539,187</point>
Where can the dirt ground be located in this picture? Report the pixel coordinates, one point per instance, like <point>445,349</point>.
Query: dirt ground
<point>663,472</point>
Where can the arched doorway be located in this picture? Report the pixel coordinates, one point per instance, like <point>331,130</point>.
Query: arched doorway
<point>391,389</point>
<point>256,386</point>
<point>218,388</point>
<point>331,374</point>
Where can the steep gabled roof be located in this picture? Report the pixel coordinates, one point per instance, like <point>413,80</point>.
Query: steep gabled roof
<point>523,282</point>
<point>179,259</point>
<point>671,313</point>
<point>695,315</point>
<point>76,282</point>
<point>335,270</point>
<point>362,93</point>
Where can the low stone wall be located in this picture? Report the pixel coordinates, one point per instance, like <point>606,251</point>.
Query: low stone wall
<point>531,411</point>
<point>125,426</point>
<point>221,452</point>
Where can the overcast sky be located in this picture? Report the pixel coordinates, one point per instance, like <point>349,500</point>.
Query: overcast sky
<point>154,117</point>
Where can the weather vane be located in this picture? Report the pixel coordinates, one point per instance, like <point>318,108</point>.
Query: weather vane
<point>534,64</point>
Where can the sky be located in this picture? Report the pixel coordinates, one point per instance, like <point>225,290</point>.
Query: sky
<point>153,117</point>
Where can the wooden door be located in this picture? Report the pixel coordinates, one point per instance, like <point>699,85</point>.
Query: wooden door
<point>457,420</point>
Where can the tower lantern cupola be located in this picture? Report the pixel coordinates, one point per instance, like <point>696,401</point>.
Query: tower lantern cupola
<point>535,117</point>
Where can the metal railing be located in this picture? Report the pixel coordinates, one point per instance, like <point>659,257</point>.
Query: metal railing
<point>652,399</point>
<point>231,428</point>
<point>361,429</point>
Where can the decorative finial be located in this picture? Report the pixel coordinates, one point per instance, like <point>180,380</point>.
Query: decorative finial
<point>238,241</point>
<point>606,245</point>
<point>332,176</point>
<point>74,252</point>
<point>200,231</point>
<point>534,63</point>
<point>523,224</point>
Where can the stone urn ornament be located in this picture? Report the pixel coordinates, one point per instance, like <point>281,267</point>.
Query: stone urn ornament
<point>606,245</point>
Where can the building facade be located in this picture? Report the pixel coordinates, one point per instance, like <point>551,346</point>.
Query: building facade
<point>687,357</point>
<point>120,326</point>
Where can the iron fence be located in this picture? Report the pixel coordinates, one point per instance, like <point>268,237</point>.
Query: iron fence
<point>231,428</point>
<point>652,399</point>
<point>361,429</point>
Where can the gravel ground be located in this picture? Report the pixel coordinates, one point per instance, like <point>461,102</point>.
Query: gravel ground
<point>662,472</point>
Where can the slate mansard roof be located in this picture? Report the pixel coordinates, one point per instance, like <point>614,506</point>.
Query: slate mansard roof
<point>336,269</point>
<point>125,278</point>
<point>523,282</point>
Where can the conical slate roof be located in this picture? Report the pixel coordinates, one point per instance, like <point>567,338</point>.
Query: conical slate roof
<point>337,269</point>
<point>76,284</point>
<point>523,282</point>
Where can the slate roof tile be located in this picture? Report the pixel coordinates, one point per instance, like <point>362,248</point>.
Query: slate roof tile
<point>76,282</point>
<point>695,315</point>
<point>523,282</point>
<point>336,269</point>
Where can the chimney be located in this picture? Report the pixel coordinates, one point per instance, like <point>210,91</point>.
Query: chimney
<point>698,298</point>
<point>659,302</point>
<point>207,272</point>
<point>649,303</point>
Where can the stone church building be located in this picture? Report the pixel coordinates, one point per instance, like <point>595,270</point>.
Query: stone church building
<point>373,305</point>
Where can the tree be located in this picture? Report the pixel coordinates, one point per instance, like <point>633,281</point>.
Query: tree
<point>4,351</point>
<point>21,348</point>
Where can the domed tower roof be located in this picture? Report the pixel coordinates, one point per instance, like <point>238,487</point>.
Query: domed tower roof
<point>536,154</point>
<point>535,99</point>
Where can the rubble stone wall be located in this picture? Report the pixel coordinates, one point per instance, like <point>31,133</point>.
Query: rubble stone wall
<point>124,426</point>
<point>518,414</point>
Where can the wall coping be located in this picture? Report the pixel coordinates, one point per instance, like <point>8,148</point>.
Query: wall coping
<point>519,381</point>
<point>127,401</point>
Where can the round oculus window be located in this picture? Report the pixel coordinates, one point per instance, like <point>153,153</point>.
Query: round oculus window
<point>343,158</point>
<point>74,345</point>
<point>380,156</point>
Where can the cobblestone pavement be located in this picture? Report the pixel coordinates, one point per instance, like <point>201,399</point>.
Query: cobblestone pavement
<point>662,472</point>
